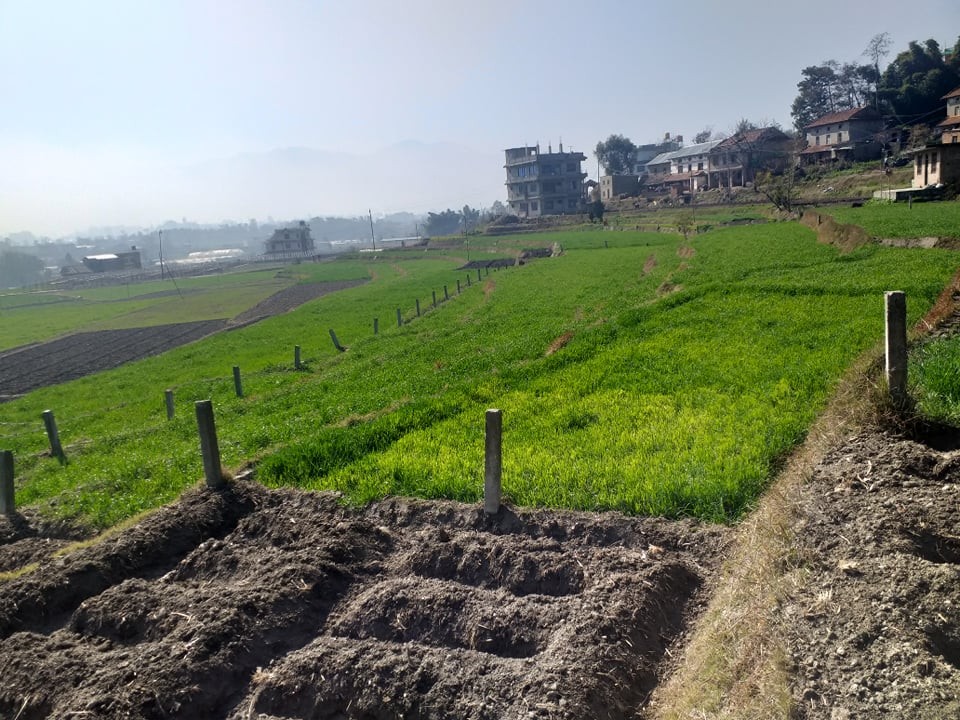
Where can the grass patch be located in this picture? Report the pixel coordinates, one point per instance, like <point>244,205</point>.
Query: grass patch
<point>900,220</point>
<point>681,404</point>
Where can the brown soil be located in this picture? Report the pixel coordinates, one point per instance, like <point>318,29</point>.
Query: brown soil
<point>291,298</point>
<point>874,625</point>
<point>25,369</point>
<point>251,603</point>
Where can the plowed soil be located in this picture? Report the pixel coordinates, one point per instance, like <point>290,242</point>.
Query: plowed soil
<point>875,623</point>
<point>252,603</point>
<point>23,370</point>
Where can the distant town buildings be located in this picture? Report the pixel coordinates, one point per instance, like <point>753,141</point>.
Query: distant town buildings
<point>113,262</point>
<point>548,183</point>
<point>290,241</point>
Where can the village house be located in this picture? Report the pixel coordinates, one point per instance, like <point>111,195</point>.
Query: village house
<point>939,162</point>
<point>614,186</point>
<point>549,183</point>
<point>645,153</point>
<point>113,262</point>
<point>950,127</point>
<point>683,170</point>
<point>848,135</point>
<point>735,161</point>
<point>290,241</point>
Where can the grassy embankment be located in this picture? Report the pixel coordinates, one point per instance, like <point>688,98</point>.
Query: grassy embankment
<point>647,376</point>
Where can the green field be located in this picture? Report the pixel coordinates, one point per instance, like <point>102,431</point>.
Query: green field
<point>634,372</point>
<point>27,317</point>
<point>900,220</point>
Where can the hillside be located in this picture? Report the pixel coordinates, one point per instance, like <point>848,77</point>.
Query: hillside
<point>644,373</point>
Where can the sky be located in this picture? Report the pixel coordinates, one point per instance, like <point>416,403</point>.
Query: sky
<point>128,112</point>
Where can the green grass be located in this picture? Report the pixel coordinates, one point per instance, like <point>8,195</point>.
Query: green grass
<point>28,317</point>
<point>684,379</point>
<point>900,220</point>
<point>935,379</point>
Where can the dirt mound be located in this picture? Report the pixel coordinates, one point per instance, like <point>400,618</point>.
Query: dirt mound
<point>256,603</point>
<point>74,356</point>
<point>875,627</point>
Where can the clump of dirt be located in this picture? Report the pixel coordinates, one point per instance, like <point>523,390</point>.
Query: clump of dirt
<point>650,264</point>
<point>559,343</point>
<point>874,625</point>
<point>256,603</point>
<point>686,251</point>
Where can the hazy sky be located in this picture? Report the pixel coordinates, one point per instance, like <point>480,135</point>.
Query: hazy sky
<point>109,105</point>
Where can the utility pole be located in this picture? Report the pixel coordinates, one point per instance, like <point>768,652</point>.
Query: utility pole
<point>372,238</point>
<point>160,235</point>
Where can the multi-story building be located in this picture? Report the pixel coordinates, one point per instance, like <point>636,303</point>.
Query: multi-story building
<point>950,127</point>
<point>737,159</point>
<point>681,170</point>
<point>845,135</point>
<point>548,183</point>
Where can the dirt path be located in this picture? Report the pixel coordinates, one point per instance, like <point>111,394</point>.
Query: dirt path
<point>874,627</point>
<point>266,604</point>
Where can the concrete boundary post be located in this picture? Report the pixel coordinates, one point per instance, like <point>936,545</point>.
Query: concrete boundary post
<point>336,343</point>
<point>446,295</point>
<point>237,384</point>
<point>492,462</point>
<point>418,307</point>
<point>399,318</point>
<point>376,326</point>
<point>434,297</point>
<point>469,281</point>
<point>7,505</point>
<point>209,447</point>
<point>458,287</point>
<point>895,302</point>
<point>53,435</point>
<point>168,401</point>
<point>296,357</point>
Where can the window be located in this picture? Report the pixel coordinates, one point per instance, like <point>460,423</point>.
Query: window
<point>700,166</point>
<point>572,167</point>
<point>839,137</point>
<point>828,139</point>
<point>818,139</point>
<point>533,207</point>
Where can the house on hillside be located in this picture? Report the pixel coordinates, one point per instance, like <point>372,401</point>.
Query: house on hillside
<point>645,153</point>
<point>938,163</point>
<point>549,183</point>
<point>950,127</point>
<point>614,186</point>
<point>848,135</point>
<point>290,241</point>
<point>736,160</point>
<point>681,171</point>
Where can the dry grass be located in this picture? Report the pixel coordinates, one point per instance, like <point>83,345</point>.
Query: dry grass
<point>736,663</point>
<point>559,343</point>
<point>845,238</point>
<point>650,264</point>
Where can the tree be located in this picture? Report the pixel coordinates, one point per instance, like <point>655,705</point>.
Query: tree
<point>914,83</point>
<point>703,136</point>
<point>828,88</point>
<point>444,223</point>
<point>596,209</point>
<point>876,50</point>
<point>616,154</point>
<point>780,190</point>
<point>469,217</point>
<point>17,268</point>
